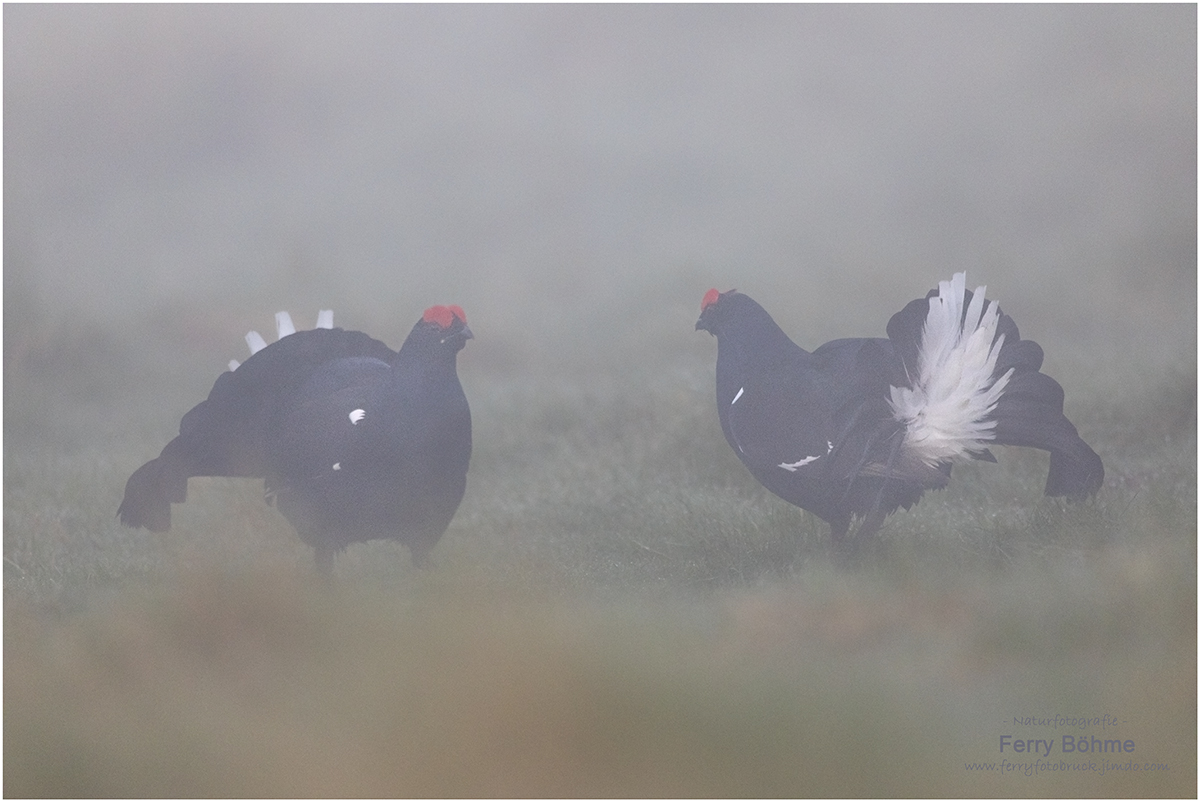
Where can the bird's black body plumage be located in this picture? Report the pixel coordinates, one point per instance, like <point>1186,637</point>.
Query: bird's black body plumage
<point>355,441</point>
<point>825,430</point>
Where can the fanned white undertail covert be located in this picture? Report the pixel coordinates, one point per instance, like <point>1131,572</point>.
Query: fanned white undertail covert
<point>947,411</point>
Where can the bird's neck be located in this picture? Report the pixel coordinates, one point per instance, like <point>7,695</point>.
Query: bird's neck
<point>757,344</point>
<point>428,369</point>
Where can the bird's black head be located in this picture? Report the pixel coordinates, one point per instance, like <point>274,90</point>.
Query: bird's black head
<point>738,322</point>
<point>441,329</point>
<point>712,310</point>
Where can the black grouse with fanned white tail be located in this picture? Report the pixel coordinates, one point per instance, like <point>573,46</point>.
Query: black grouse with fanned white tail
<point>355,441</point>
<point>861,427</point>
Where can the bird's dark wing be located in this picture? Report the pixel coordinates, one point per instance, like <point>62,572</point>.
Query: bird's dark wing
<point>329,422</point>
<point>855,377</point>
<point>779,421</point>
<point>797,419</point>
<point>224,434</point>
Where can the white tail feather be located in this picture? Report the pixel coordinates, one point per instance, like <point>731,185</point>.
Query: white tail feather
<point>283,325</point>
<point>255,341</point>
<point>946,410</point>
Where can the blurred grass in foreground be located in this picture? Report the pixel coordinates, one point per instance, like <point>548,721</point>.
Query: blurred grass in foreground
<point>228,683</point>
<point>231,683</point>
<point>618,609</point>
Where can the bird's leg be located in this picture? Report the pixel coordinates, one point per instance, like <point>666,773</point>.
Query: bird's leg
<point>864,536</point>
<point>848,546</point>
<point>869,527</point>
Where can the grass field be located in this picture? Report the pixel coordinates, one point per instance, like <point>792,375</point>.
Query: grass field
<point>617,609</point>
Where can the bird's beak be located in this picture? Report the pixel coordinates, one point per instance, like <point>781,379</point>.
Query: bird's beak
<point>462,335</point>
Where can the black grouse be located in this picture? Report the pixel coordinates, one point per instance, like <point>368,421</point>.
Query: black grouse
<point>860,427</point>
<point>355,441</point>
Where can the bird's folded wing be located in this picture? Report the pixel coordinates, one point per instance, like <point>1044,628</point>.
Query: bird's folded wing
<point>329,422</point>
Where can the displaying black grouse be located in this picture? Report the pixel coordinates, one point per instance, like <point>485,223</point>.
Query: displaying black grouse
<point>860,427</point>
<point>355,441</point>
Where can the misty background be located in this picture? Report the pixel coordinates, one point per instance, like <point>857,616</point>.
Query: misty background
<point>566,173</point>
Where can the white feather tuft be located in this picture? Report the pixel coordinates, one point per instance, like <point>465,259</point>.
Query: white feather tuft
<point>946,411</point>
<point>255,341</point>
<point>283,328</point>
<point>283,325</point>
